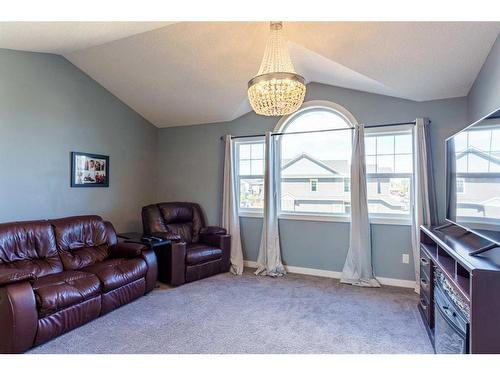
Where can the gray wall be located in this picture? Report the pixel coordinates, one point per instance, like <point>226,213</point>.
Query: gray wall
<point>48,108</point>
<point>484,96</point>
<point>190,168</point>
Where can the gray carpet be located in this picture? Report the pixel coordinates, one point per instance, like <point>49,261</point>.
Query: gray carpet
<point>251,314</point>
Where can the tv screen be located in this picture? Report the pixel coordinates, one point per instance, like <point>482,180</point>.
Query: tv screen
<point>473,178</point>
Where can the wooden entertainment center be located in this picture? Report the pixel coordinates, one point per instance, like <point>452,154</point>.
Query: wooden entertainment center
<point>476,279</point>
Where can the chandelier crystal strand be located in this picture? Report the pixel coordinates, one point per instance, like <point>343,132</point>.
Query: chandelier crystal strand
<point>277,90</point>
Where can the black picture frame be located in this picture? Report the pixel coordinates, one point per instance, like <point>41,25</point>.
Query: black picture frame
<point>87,170</point>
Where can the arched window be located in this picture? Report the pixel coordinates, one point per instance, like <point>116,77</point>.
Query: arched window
<point>315,166</point>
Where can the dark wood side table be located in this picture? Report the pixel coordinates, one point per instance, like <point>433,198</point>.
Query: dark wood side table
<point>161,248</point>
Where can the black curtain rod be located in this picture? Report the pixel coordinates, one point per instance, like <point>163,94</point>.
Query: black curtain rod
<point>321,131</point>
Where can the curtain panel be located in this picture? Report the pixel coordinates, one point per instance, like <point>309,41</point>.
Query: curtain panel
<point>424,197</point>
<point>269,258</point>
<point>230,218</point>
<point>358,268</point>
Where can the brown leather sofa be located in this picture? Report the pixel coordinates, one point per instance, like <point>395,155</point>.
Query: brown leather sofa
<point>196,251</point>
<point>56,275</point>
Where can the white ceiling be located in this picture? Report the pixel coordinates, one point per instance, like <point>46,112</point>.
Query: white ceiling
<point>66,37</point>
<point>196,72</point>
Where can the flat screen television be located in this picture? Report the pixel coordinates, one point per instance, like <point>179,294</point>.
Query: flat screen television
<point>473,178</point>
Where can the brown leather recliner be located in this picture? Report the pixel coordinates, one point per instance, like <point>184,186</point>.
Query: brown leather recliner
<point>57,275</point>
<point>196,251</point>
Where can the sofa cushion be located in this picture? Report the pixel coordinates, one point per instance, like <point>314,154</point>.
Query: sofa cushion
<point>39,267</point>
<point>29,246</point>
<point>114,273</point>
<point>81,240</point>
<point>80,258</point>
<point>67,288</point>
<point>200,253</point>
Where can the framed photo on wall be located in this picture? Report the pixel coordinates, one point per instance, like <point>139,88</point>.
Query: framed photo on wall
<point>89,170</point>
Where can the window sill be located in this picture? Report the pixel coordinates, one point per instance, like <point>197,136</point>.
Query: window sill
<point>251,214</point>
<point>309,217</point>
<point>331,218</point>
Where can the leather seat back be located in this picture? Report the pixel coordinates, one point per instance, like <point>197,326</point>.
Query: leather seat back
<point>182,218</point>
<point>82,240</point>
<point>30,246</point>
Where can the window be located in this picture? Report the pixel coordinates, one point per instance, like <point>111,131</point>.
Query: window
<point>250,174</point>
<point>460,185</point>
<point>478,171</point>
<point>347,185</point>
<point>310,160</point>
<point>478,150</point>
<point>314,185</point>
<point>389,167</point>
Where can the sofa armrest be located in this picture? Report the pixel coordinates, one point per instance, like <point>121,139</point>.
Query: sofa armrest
<point>126,250</point>
<point>18,317</point>
<point>149,257</point>
<point>178,263</point>
<point>11,276</point>
<point>137,250</point>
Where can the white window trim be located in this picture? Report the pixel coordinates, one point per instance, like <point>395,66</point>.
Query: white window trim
<point>377,220</point>
<point>245,211</point>
<point>320,104</point>
<point>281,126</point>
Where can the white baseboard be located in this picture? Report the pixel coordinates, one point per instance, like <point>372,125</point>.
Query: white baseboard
<point>336,275</point>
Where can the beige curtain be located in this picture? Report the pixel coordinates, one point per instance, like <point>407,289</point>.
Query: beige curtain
<point>269,259</point>
<point>230,218</point>
<point>358,268</point>
<point>424,199</point>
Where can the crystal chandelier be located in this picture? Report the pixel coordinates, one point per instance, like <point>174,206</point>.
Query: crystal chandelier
<point>276,90</point>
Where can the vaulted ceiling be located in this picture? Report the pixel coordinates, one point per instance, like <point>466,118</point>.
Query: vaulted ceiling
<point>196,72</point>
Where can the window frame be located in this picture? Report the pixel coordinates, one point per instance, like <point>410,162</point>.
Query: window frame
<point>254,212</point>
<point>392,219</point>
<point>281,127</point>
<point>384,219</point>
<point>347,184</point>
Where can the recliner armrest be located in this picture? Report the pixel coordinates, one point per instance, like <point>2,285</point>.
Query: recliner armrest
<point>213,236</point>
<point>126,250</point>
<point>11,276</point>
<point>178,263</point>
<point>213,230</point>
<point>167,236</point>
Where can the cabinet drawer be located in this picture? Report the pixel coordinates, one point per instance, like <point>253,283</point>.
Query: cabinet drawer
<point>425,264</point>
<point>425,306</point>
<point>425,286</point>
